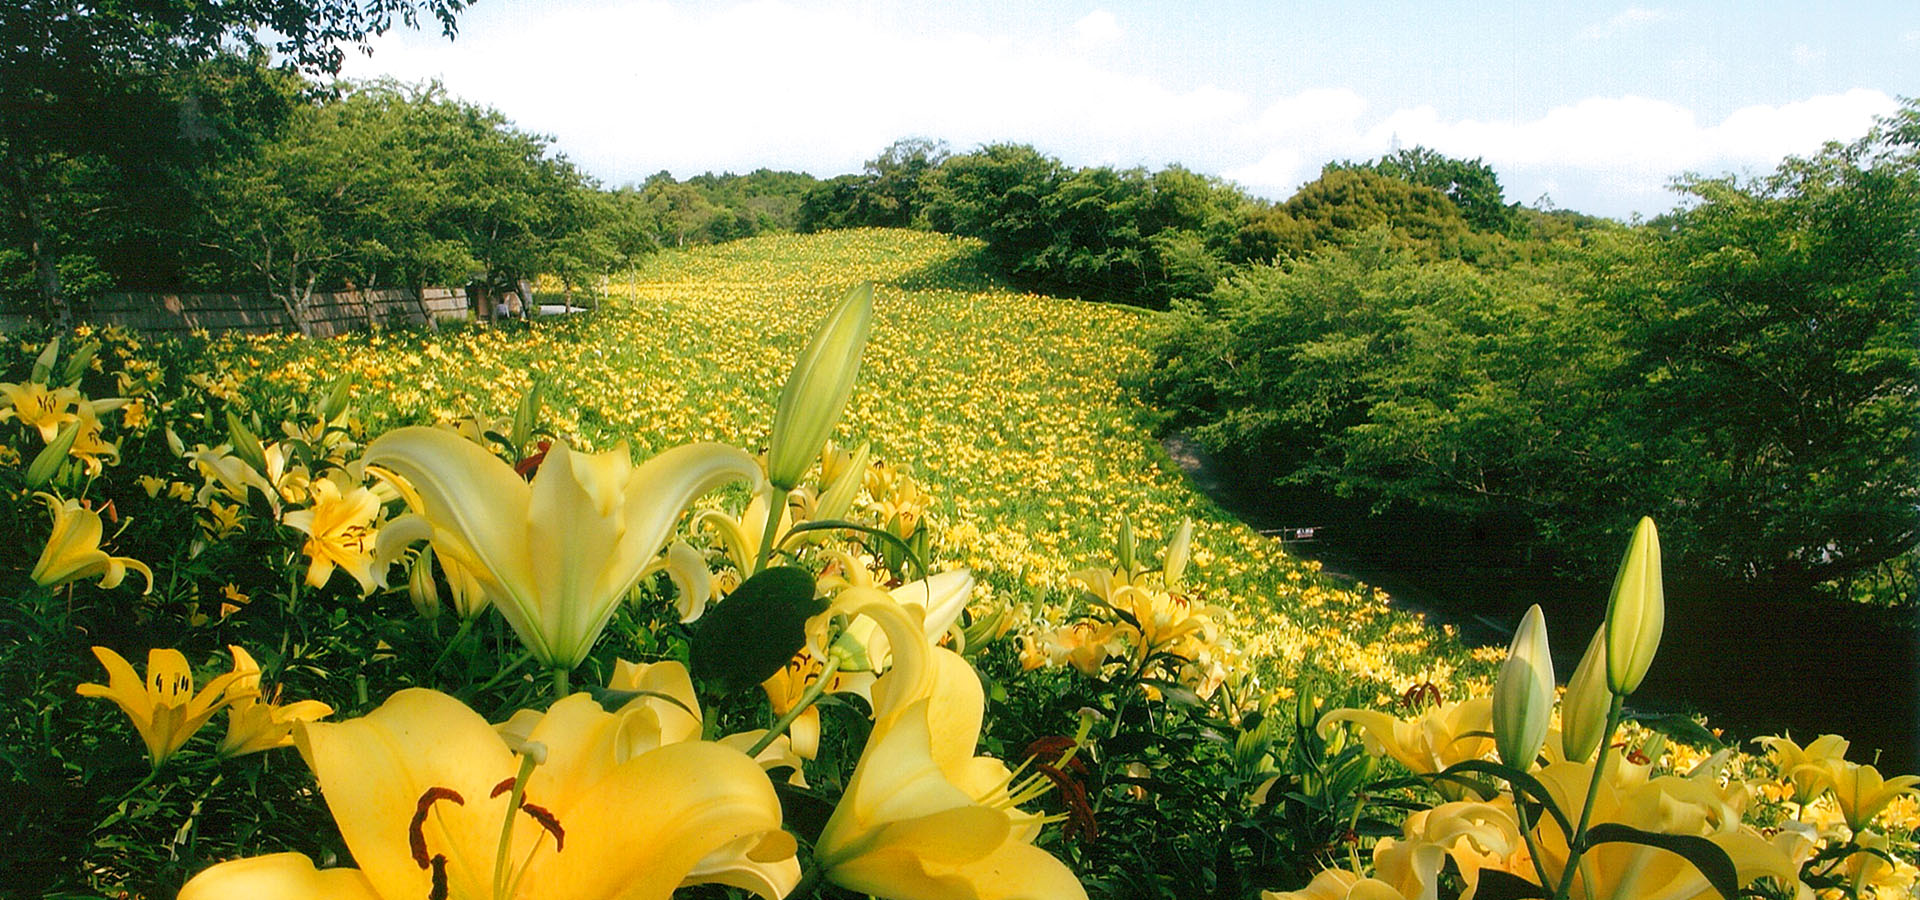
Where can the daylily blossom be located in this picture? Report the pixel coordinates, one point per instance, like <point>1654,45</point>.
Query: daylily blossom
<point>1340,884</point>
<point>253,724</point>
<point>594,807</point>
<point>73,550</point>
<point>922,816</point>
<point>89,445</point>
<point>163,707</point>
<point>339,528</point>
<point>555,555</point>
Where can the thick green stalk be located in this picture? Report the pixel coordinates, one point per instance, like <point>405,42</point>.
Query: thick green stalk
<point>561,686</point>
<point>1577,842</point>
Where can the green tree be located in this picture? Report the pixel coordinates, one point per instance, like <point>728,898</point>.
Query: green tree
<point>1472,185</point>
<point>1776,370</point>
<point>89,88</point>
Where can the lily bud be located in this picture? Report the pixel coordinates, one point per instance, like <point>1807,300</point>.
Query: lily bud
<point>51,456</point>
<point>174,443</point>
<point>1178,549</point>
<point>335,402</point>
<point>1523,697</point>
<point>1124,549</point>
<point>838,497</point>
<point>1583,714</point>
<point>245,445</point>
<point>818,388</point>
<point>420,585</point>
<point>77,364</point>
<point>1636,611</point>
<point>43,364</point>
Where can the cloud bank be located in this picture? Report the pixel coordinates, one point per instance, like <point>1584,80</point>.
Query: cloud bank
<point>633,88</point>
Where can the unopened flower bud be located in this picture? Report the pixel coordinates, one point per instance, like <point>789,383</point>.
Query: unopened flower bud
<point>1523,697</point>
<point>1583,714</point>
<point>1636,611</point>
<point>818,388</point>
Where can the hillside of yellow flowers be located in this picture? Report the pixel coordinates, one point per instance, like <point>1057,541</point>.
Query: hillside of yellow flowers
<point>810,566</point>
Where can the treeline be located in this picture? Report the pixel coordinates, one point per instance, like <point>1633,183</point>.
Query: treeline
<point>252,178</point>
<point>1745,369</point>
<point>1147,238</point>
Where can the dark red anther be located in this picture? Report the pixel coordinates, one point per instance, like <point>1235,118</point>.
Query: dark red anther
<point>416,834</point>
<point>527,467</point>
<point>505,785</point>
<point>548,821</point>
<point>439,891</point>
<point>1421,696</point>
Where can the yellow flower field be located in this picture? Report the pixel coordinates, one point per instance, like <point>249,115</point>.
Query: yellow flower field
<point>1006,406</point>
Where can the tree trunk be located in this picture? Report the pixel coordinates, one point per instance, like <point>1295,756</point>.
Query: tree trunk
<point>53,298</point>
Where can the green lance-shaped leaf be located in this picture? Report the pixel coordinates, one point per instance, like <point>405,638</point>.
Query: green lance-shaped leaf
<point>77,364</point>
<point>1636,611</point>
<point>245,445</point>
<point>747,637</point>
<point>818,388</point>
<point>1714,863</point>
<point>1523,697</point>
<point>51,456</point>
<point>43,364</point>
<point>1583,713</point>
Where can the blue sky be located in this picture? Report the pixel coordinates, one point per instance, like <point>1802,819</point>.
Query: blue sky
<point>1598,106</point>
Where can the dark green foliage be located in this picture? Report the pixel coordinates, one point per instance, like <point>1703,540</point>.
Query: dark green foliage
<point>114,97</point>
<point>742,642</point>
<point>1472,185</point>
<point>1746,370</point>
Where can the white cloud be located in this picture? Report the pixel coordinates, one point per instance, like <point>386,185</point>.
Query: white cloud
<point>632,88</point>
<point>1632,19</point>
<point>1097,29</point>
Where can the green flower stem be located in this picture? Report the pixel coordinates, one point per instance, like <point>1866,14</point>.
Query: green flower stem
<point>505,671</point>
<point>776,506</point>
<point>1526,834</point>
<point>561,686</point>
<point>1577,842</point>
<point>466,625</point>
<point>812,694</point>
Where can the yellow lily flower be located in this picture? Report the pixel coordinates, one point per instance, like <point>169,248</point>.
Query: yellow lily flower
<point>1476,835</point>
<point>93,451</point>
<point>1444,735</point>
<point>1859,789</point>
<point>227,474</point>
<point>253,724</point>
<point>339,529</point>
<point>1340,884</point>
<point>922,816</point>
<point>1803,766</point>
<point>421,788</point>
<point>163,707</point>
<point>73,550</point>
<point>555,555</point>
<point>39,408</point>
<point>1667,805</point>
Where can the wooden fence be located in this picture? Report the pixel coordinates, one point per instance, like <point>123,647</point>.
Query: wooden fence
<point>327,314</point>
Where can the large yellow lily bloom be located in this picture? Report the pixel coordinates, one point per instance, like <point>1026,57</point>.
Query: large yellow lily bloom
<point>421,789</point>
<point>339,529</point>
<point>923,818</point>
<point>163,707</point>
<point>253,724</point>
<point>73,550</point>
<point>1444,735</point>
<point>39,408</point>
<point>1860,790</point>
<point>1667,805</point>
<point>1803,766</point>
<point>555,555</point>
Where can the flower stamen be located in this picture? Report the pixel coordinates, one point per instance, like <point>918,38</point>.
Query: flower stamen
<point>417,837</point>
